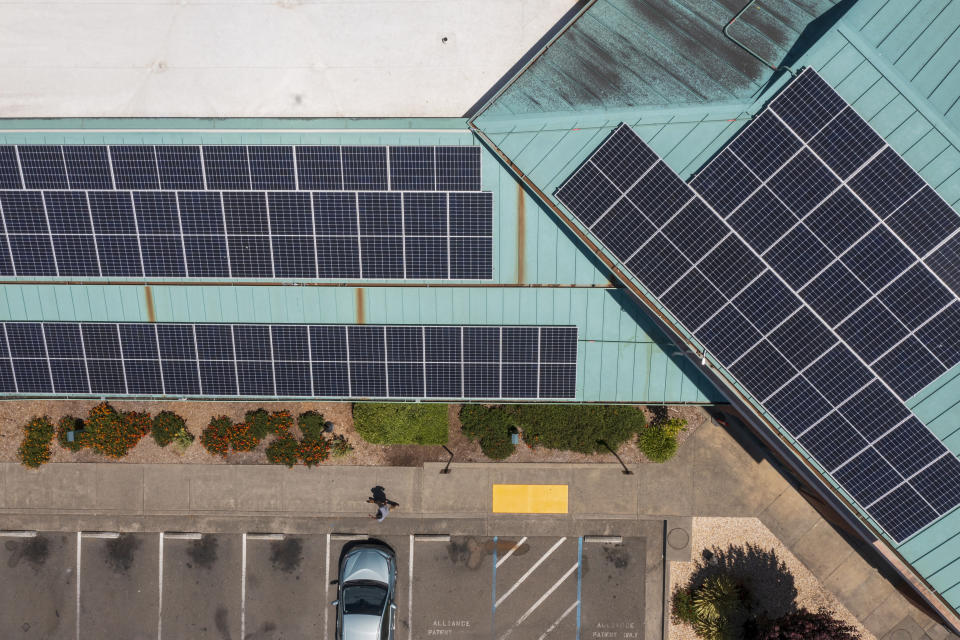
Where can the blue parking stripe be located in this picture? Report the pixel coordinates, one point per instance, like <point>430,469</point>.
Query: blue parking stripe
<point>579,580</point>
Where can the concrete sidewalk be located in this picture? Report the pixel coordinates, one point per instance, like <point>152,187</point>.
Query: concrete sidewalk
<point>717,472</point>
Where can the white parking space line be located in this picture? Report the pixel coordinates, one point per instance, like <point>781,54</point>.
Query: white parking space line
<point>557,622</point>
<point>326,592</point>
<point>410,594</point>
<point>276,537</point>
<point>529,571</point>
<point>510,553</point>
<point>243,588</point>
<point>547,593</point>
<point>79,547</point>
<point>102,535</point>
<point>18,534</point>
<point>160,592</point>
<point>184,535</point>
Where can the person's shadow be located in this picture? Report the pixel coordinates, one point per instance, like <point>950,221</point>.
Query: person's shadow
<point>379,496</point>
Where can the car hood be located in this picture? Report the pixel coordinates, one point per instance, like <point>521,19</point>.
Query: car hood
<point>360,627</point>
<point>366,564</point>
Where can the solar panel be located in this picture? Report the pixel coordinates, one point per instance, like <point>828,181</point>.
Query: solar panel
<point>817,267</point>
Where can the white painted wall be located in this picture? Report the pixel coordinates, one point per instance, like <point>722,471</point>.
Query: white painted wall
<point>218,58</point>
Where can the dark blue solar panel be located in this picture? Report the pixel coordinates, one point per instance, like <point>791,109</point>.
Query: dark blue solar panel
<point>162,256</point>
<point>69,376</point>
<point>319,168</point>
<point>798,257</point>
<point>9,170</point>
<point>143,377</point>
<point>218,378</point>
<point>294,257</point>
<point>43,167</point>
<point>867,477</point>
<point>481,380</point>
<point>425,214</point>
<point>728,334</point>
<point>660,193</point>
<point>558,380</point>
<point>924,221</point>
<point>471,214</point>
<point>157,212</point>
<point>366,343</point>
<point>886,183</point>
<point>180,167</point>
<point>908,367</point>
<point>272,168</point>
<point>250,257</point>
<point>67,212</point>
<point>902,512</point>
<point>338,257</point>
<point>520,344</point>
<point>227,167</point>
<point>762,370</point>
<point>695,230</point>
<point>872,330</point>
<point>803,183</point>
<point>106,376</point>
<point>206,256</point>
<point>364,168</point>
<point>328,343</point>
<point>88,167</point>
<point>331,379</point>
<point>245,213</point>
<point>693,299</point>
<point>405,379</point>
<point>481,344</point>
<point>808,104</point>
<point>380,214</point>
<point>112,212</point>
<point>802,338</point>
<point>63,340</point>
<point>381,257</point>
<point>725,183</point>
<point>623,229</point>
<point>762,220</point>
<point>658,264</point>
<point>878,258</point>
<point>939,483</point>
<point>119,255</point>
<point>730,266</point>
<point>841,220</point>
<point>214,341</point>
<point>290,342</point>
<point>368,379</point>
<point>139,341</point>
<point>292,378</point>
<point>558,344</point>
<point>846,143</point>
<point>176,342</point>
<point>101,340</point>
<point>519,380</point>
<point>623,157</point>
<point>201,212</point>
<point>587,194</point>
<point>442,344</point>
<point>255,377</point>
<point>412,168</point>
<point>426,257</point>
<point>26,340</point>
<point>444,380</point>
<point>8,383</point>
<point>23,211</point>
<point>404,344</point>
<point>335,213</point>
<point>945,262</point>
<point>290,213</point>
<point>915,296</point>
<point>458,168</point>
<point>874,410</point>
<point>909,447</point>
<point>76,255</point>
<point>252,342</point>
<point>765,145</point>
<point>940,335</point>
<point>832,441</point>
<point>32,255</point>
<point>134,167</point>
<point>471,258</point>
<point>838,374</point>
<point>766,302</point>
<point>797,405</point>
<point>835,294</point>
<point>33,376</point>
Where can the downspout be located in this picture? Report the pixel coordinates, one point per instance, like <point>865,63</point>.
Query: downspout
<point>726,32</point>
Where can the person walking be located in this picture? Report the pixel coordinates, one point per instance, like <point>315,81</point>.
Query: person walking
<point>384,505</point>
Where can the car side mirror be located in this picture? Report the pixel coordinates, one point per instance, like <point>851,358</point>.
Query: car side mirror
<point>335,603</point>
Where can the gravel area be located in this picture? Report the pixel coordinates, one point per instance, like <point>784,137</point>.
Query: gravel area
<point>778,581</point>
<point>15,413</point>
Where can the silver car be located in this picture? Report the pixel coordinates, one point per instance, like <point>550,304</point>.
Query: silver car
<point>365,591</point>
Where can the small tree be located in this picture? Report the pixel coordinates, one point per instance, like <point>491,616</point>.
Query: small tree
<point>35,448</point>
<point>166,425</point>
<point>311,425</point>
<point>719,605</point>
<point>807,625</point>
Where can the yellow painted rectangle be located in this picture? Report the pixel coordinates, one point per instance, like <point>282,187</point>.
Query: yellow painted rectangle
<point>529,498</point>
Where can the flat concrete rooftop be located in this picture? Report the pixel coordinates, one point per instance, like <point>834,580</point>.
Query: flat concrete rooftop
<point>279,58</point>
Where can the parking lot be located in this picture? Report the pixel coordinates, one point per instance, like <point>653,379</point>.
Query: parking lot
<point>270,586</point>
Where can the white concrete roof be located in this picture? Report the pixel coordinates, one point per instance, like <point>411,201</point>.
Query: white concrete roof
<point>136,58</point>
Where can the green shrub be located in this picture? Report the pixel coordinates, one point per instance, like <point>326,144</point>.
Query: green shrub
<point>284,450</point>
<point>35,448</point>
<point>313,451</point>
<point>657,444</point>
<point>80,437</point>
<point>311,425</point>
<point>258,422</point>
<point>719,605</point>
<point>280,422</point>
<point>166,425</point>
<point>216,436</point>
<point>182,439</point>
<point>673,426</point>
<point>240,437</point>
<point>807,625</point>
<point>401,423</point>
<point>681,606</point>
<point>113,433</point>
<point>491,427</point>
<point>340,446</point>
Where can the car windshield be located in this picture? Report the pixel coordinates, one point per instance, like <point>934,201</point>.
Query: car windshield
<point>364,598</point>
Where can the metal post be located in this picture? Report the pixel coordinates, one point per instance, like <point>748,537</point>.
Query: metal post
<point>446,469</point>
<point>626,471</point>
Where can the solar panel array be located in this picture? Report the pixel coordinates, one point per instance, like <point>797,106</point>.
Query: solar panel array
<point>245,212</point>
<point>350,361</point>
<point>819,269</point>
